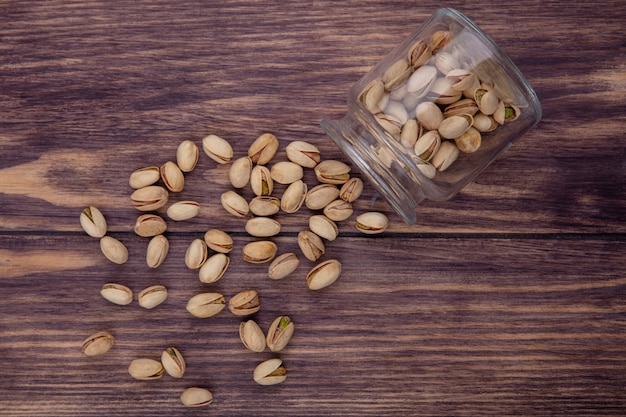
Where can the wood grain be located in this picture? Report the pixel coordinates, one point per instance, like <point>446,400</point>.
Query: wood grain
<point>506,300</point>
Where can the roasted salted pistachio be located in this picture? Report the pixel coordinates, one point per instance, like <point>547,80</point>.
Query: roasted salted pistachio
<point>187,155</point>
<point>259,252</point>
<point>196,254</point>
<point>214,268</point>
<point>217,149</point>
<point>484,123</point>
<point>410,132</point>
<point>396,74</point>
<point>351,190</point>
<point>338,210</point>
<point>372,96</point>
<point>206,304</point>
<point>438,40</point>
<point>286,172</point>
<point>98,344</point>
<point>262,227</point>
<point>239,173</point>
<point>323,227</point>
<point>149,198</point>
<point>323,274</point>
<point>270,372</point>
<point>454,126</point>
<point>149,225</point>
<point>152,296</point>
<point>419,54</point>
<point>144,177</point>
<point>372,222</point>
<point>293,197</point>
<point>117,293</point>
<point>234,204</point>
<point>429,115</point>
<point>319,196</point>
<point>311,245</point>
<point>244,303</point>
<point>157,251</point>
<point>283,265</point>
<point>196,397</point>
<point>505,113</point>
<point>146,369</point>
<point>114,250</point>
<point>263,149</point>
<point>332,172</point>
<point>426,146</point>
<point>445,156</point>
<point>469,141</point>
<point>252,336</point>
<point>172,177</point>
<point>183,210</point>
<point>264,205</point>
<point>218,240</point>
<point>303,153</point>
<point>279,333</point>
<point>173,362</point>
<point>261,181</point>
<point>487,100</point>
<point>421,81</point>
<point>93,222</point>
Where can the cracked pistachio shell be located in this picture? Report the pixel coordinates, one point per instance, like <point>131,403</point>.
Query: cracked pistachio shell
<point>332,172</point>
<point>196,254</point>
<point>454,126</point>
<point>270,372</point>
<point>217,149</point>
<point>484,123</point>
<point>397,112</point>
<point>421,81</point>
<point>445,156</point>
<point>323,274</point>
<point>396,74</point>
<point>113,250</point>
<point>173,362</point>
<point>196,397</point>
<point>117,293</point>
<point>279,333</point>
<point>244,303</point>
<point>252,336</point>
<point>319,196</point>
<point>426,169</point>
<point>429,115</point>
<point>234,204</point>
<point>146,369</point>
<point>283,265</point>
<point>303,153</point>
<point>98,343</point>
<point>183,210</point>
<point>172,177</point>
<point>157,251</point>
<point>389,124</point>
<point>206,304</point>
<point>442,92</point>
<point>505,113</point>
<point>93,222</point>
<point>351,190</point>
<point>149,198</point>
<point>265,205</point>
<point>261,181</point>
<point>263,149</point>
<point>293,197</point>
<point>259,252</point>
<point>372,222</point>
<point>262,227</point>
<point>144,177</point>
<point>311,245</point>
<point>438,40</point>
<point>323,227</point>
<point>239,172</point>
<point>372,96</point>
<point>446,62</point>
<point>409,133</point>
<point>214,268</point>
<point>469,141</point>
<point>338,210</point>
<point>286,172</point>
<point>487,100</point>
<point>218,240</point>
<point>463,106</point>
<point>426,146</point>
<point>462,80</point>
<point>149,225</point>
<point>187,155</point>
<point>419,54</point>
<point>152,296</point>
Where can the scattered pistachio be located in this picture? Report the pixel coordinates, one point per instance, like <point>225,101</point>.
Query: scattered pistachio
<point>259,252</point>
<point>244,303</point>
<point>286,172</point>
<point>261,181</point>
<point>320,196</point>
<point>149,198</point>
<point>372,222</point>
<point>234,204</point>
<point>323,274</point>
<point>219,241</point>
<point>351,190</point>
<point>117,293</point>
<point>144,177</point>
<point>311,245</point>
<point>196,254</point>
<point>303,153</point>
<point>283,265</point>
<point>146,369</point>
<point>152,296</point>
<point>332,172</point>
<point>149,225</point>
<point>252,336</point>
<point>206,304</point>
<point>323,227</point>
<point>183,210</point>
<point>187,155</point>
<point>338,210</point>
<point>264,205</point>
<point>262,227</point>
<point>114,250</point>
<point>214,268</point>
<point>279,333</point>
<point>93,222</point>
<point>270,372</point>
<point>196,397</point>
<point>98,344</point>
<point>293,197</point>
<point>263,149</point>
<point>173,362</point>
<point>157,251</point>
<point>239,173</point>
<point>217,149</point>
<point>172,177</point>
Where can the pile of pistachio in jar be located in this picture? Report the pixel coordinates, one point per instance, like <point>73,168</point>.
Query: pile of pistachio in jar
<point>329,202</point>
<point>435,105</point>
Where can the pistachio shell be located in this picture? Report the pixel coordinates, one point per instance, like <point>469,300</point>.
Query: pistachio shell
<point>396,74</point>
<point>332,172</point>
<point>144,177</point>
<point>214,268</point>
<point>462,80</point>
<point>239,172</point>
<point>311,245</point>
<point>372,222</point>
<point>265,205</point>
<point>323,227</point>
<point>469,141</point>
<point>98,344</point>
<point>196,397</point>
<point>187,155</point>
<point>218,240</point>
<point>419,54</point>
<point>117,293</point>
<point>286,172</point>
<point>293,197</point>
<point>261,181</point>
<point>463,106</point>
<point>172,177</point>
<point>486,100</point>
<point>148,225</point>
<point>217,149</point>
<point>173,362</point>
<point>422,80</point>
<point>427,170</point>
<point>397,111</point>
<point>351,190</point>
<point>442,92</point>
<point>93,222</point>
<point>183,210</point>
<point>505,113</point>
<point>252,336</point>
<point>438,40</point>
<point>445,156</point>
<point>426,146</point>
<point>113,250</point>
<point>283,265</point>
<point>303,153</point>
<point>446,62</point>
<point>409,133</point>
<point>263,149</point>
<point>372,97</point>
<point>149,198</point>
<point>319,196</point>
<point>244,303</point>
<point>196,254</point>
<point>454,126</point>
<point>389,123</point>
<point>206,304</point>
<point>484,123</point>
<point>323,274</point>
<point>234,204</point>
<point>157,251</point>
<point>259,252</point>
<point>270,372</point>
<point>152,296</point>
<point>280,333</point>
<point>338,210</point>
<point>145,369</point>
<point>429,115</point>
<point>262,227</point>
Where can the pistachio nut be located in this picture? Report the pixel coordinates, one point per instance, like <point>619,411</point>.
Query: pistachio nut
<point>152,296</point>
<point>484,123</point>
<point>293,197</point>
<point>217,149</point>
<point>252,336</point>
<point>332,172</point>
<point>270,372</point>
<point>286,172</point>
<point>149,198</point>
<point>438,40</point>
<point>338,210</point>
<point>454,126</point>
<point>396,74</point>
<point>279,333</point>
<point>442,92</point>
<point>148,225</point>
<point>487,100</point>
<point>303,153</point>
<point>311,245</point>
<point>427,145</point>
<point>117,293</point>
<point>183,210</point>
<point>114,250</point>
<point>239,172</point>
<point>323,227</point>
<point>172,177</point>
<point>244,303</point>
<point>463,106</point>
<point>427,169</point>
<point>351,189</point>
<point>462,79</point>
<point>421,81</point>
<point>429,115</point>
<point>265,205</point>
<point>446,62</point>
<point>144,177</point>
<point>146,369</point>
<point>323,274</point>
<point>445,156</point>
<point>261,181</point>
<point>259,252</point>
<point>187,155</point>
<point>319,196</point>
<point>157,251</point>
<point>196,397</point>
<point>372,222</point>
<point>214,268</point>
<point>372,96</point>
<point>390,124</point>
<point>396,111</point>
<point>262,227</point>
<point>263,149</point>
<point>469,141</point>
<point>196,254</point>
<point>506,112</point>
<point>173,362</point>
<point>234,204</point>
<point>419,54</point>
<point>283,265</point>
<point>98,343</point>
<point>93,222</point>
<point>409,133</point>
<point>206,304</point>
<point>219,241</point>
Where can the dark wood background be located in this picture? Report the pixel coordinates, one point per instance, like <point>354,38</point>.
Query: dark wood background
<point>509,299</point>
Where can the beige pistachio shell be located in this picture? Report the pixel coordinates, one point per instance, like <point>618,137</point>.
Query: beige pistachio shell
<point>396,74</point>
<point>438,40</point>
<point>98,344</point>
<point>149,225</point>
<point>252,336</point>
<point>303,153</point>
<point>442,92</point>
<point>234,204</point>
<point>239,172</point>
<point>173,362</point>
<point>419,53</point>
<point>172,177</point>
<point>261,181</point>
<point>351,190</point>
<point>206,305</point>
<point>338,210</point>
<point>323,274</point>
<point>270,372</point>
<point>445,156</point>
<point>463,106</point>
<point>332,172</point>
<point>484,123</point>
<point>321,195</point>
<point>149,198</point>
<point>244,303</point>
<point>183,210</point>
<point>157,251</point>
<point>323,227</point>
<point>372,222</point>
<point>426,146</point>
<point>280,333</point>
<point>293,197</point>
<point>283,265</point>
<point>196,397</point>
<point>446,62</point>
<point>259,252</point>
<point>93,222</point>
<point>410,132</point>
<point>487,100</point>
<point>262,227</point>
<point>214,268</point>
<point>429,115</point>
<point>265,205</point>
<point>196,254</point>
<point>152,296</point>
<point>263,149</point>
<point>311,245</point>
<point>372,96</point>
<point>454,126</point>
<point>219,241</point>
<point>421,81</point>
<point>117,293</point>
<point>469,141</point>
<point>146,369</point>
<point>187,155</point>
<point>217,149</point>
<point>286,172</point>
<point>114,250</point>
<point>144,177</point>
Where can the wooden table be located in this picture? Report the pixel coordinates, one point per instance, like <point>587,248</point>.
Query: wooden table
<point>509,299</point>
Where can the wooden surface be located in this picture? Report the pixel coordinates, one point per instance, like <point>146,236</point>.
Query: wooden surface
<point>509,299</point>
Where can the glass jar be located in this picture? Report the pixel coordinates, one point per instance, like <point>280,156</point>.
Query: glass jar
<point>435,112</point>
